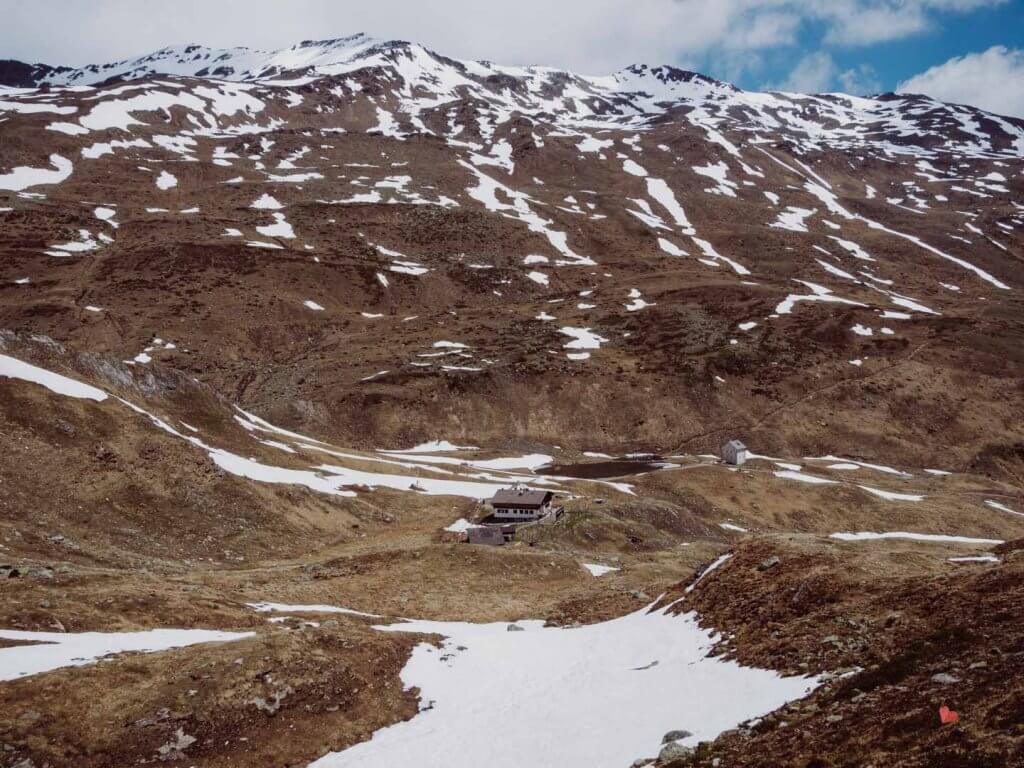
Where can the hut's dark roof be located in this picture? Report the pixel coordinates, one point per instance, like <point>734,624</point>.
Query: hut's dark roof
<point>520,497</point>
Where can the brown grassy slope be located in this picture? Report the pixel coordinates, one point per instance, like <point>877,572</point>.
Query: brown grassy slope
<point>895,626</point>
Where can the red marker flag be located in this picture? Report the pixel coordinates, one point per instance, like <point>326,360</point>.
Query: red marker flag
<point>947,716</point>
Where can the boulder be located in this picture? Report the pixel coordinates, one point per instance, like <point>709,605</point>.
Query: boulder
<point>675,736</point>
<point>675,751</point>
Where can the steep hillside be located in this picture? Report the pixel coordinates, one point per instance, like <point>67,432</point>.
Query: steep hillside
<point>272,325</point>
<point>730,253</point>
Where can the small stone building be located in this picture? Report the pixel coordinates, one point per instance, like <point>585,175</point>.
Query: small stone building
<point>491,535</point>
<point>521,504</point>
<point>734,452</point>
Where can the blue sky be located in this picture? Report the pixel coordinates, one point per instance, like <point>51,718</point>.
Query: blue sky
<point>952,35</point>
<point>969,51</point>
<point>887,63</point>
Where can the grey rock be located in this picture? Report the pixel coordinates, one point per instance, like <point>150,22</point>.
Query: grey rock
<point>29,718</point>
<point>514,628</point>
<point>639,595</point>
<point>944,678</point>
<point>47,341</point>
<point>175,748</point>
<point>771,562</point>
<point>271,707</point>
<point>63,541</point>
<point>675,751</point>
<point>116,373</point>
<point>675,736</point>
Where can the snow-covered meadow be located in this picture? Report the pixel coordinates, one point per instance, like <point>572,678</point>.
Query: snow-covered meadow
<point>517,694</point>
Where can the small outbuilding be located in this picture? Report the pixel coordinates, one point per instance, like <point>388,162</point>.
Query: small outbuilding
<point>735,453</point>
<point>521,504</point>
<point>490,535</point>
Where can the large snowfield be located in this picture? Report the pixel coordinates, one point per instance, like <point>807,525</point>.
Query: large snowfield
<point>596,695</point>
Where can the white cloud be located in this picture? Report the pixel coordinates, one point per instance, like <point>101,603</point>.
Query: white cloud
<point>854,24</point>
<point>865,22</point>
<point>817,73</point>
<point>592,36</point>
<point>814,73</point>
<point>992,80</point>
<point>860,81</point>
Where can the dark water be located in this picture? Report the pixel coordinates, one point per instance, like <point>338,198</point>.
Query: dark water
<point>596,470</point>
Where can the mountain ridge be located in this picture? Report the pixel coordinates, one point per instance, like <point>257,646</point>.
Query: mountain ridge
<point>198,60</point>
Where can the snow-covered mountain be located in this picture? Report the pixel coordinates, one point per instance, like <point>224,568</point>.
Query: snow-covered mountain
<point>220,63</point>
<point>538,181</point>
<point>423,79</point>
<point>665,163</point>
<point>273,323</point>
